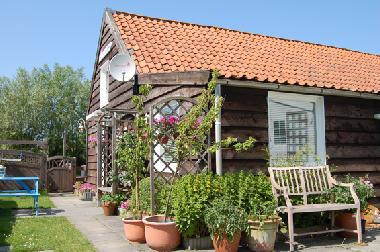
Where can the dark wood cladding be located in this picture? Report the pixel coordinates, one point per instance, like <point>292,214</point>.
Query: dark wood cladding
<point>353,137</point>
<point>244,114</point>
<point>352,133</point>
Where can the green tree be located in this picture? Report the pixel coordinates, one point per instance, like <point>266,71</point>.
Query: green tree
<point>43,103</point>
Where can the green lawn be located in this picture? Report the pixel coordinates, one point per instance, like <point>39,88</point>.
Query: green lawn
<point>38,233</point>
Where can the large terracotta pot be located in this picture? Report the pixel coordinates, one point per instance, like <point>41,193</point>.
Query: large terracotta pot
<point>161,235</point>
<point>262,238</point>
<point>224,245</point>
<point>108,208</point>
<point>134,230</point>
<point>347,220</point>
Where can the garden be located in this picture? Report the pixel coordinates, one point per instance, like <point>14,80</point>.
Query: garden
<point>37,233</point>
<point>198,209</point>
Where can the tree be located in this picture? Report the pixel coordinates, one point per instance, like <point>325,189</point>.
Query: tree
<point>43,103</point>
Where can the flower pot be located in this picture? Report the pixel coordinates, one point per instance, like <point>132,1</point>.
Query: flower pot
<point>347,220</point>
<point>161,235</point>
<point>262,238</point>
<point>87,196</point>
<point>108,208</point>
<point>224,245</point>
<point>134,230</point>
<point>197,243</point>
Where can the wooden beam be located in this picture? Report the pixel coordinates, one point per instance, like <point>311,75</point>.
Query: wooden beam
<point>42,144</point>
<point>176,78</point>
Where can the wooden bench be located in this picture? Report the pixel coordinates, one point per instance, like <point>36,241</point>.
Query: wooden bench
<point>305,181</point>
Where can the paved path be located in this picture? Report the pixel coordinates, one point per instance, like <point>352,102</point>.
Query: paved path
<point>106,233</point>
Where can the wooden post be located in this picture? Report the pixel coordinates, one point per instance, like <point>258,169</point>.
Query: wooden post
<point>115,182</point>
<point>99,159</point>
<point>64,143</point>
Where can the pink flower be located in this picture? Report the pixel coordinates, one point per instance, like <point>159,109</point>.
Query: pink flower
<point>87,187</point>
<point>92,139</point>
<point>125,204</point>
<point>172,119</point>
<point>368,183</point>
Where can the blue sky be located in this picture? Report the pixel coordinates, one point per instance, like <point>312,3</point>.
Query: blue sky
<point>40,32</point>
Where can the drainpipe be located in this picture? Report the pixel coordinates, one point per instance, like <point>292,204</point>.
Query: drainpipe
<point>218,133</point>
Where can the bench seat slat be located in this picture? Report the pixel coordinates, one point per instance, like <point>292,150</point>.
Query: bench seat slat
<point>319,208</point>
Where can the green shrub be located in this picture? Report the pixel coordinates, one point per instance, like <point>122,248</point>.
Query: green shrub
<point>223,218</point>
<point>363,188</point>
<point>191,195</point>
<point>161,192</point>
<point>116,198</point>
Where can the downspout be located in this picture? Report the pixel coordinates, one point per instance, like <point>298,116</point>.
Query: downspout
<point>218,132</point>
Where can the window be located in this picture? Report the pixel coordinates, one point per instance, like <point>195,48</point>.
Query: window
<point>296,125</point>
<point>104,84</point>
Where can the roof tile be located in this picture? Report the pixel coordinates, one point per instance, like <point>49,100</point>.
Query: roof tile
<point>164,45</point>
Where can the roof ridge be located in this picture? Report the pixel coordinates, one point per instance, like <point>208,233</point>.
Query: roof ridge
<point>244,32</point>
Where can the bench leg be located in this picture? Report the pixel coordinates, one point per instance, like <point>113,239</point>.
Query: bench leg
<point>36,205</point>
<point>291,231</point>
<point>359,225</point>
<point>332,222</point>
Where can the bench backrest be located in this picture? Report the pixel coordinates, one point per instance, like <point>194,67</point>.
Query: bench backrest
<point>302,181</point>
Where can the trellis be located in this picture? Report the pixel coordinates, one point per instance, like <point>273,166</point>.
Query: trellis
<point>111,125</point>
<point>162,165</point>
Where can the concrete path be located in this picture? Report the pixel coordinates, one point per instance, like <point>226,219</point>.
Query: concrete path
<point>106,233</point>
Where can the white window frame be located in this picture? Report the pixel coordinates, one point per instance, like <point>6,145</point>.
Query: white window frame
<point>319,119</point>
<point>104,85</point>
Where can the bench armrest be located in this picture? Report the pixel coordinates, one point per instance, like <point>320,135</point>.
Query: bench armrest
<point>285,193</point>
<point>352,189</point>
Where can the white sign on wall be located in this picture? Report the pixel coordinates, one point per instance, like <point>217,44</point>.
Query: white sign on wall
<point>105,51</point>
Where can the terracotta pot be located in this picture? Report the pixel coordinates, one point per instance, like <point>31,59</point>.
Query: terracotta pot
<point>161,235</point>
<point>347,220</point>
<point>108,208</point>
<point>262,238</point>
<point>134,230</point>
<point>224,245</point>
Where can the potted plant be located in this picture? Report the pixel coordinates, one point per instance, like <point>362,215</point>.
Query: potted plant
<point>87,191</point>
<point>132,153</point>
<point>263,220</point>
<point>108,204</point>
<point>225,222</point>
<point>364,190</point>
<point>192,194</point>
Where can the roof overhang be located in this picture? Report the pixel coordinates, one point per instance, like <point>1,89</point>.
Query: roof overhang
<point>297,89</point>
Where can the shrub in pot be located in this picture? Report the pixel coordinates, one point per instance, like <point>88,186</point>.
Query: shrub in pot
<point>225,222</point>
<point>192,194</point>
<point>364,190</point>
<point>132,153</point>
<point>263,220</point>
<point>109,203</point>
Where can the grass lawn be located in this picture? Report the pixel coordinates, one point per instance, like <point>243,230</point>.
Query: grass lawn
<point>38,233</point>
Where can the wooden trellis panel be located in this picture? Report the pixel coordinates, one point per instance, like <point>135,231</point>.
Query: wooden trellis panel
<point>162,159</point>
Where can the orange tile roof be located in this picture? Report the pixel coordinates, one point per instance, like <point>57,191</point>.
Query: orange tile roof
<point>163,46</point>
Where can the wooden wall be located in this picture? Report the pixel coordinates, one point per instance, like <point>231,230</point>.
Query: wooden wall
<point>244,114</point>
<point>352,133</point>
<point>353,137</point>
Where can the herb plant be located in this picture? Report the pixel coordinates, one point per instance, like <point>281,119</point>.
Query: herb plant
<point>225,219</point>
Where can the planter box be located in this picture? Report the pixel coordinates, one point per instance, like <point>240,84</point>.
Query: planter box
<point>87,196</point>
<point>197,243</point>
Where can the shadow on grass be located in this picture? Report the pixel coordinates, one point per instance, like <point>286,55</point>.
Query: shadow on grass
<point>7,221</point>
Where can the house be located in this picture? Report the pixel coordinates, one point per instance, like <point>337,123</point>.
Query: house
<point>285,93</point>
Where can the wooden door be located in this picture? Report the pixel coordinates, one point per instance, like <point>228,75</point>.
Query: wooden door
<point>61,174</point>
